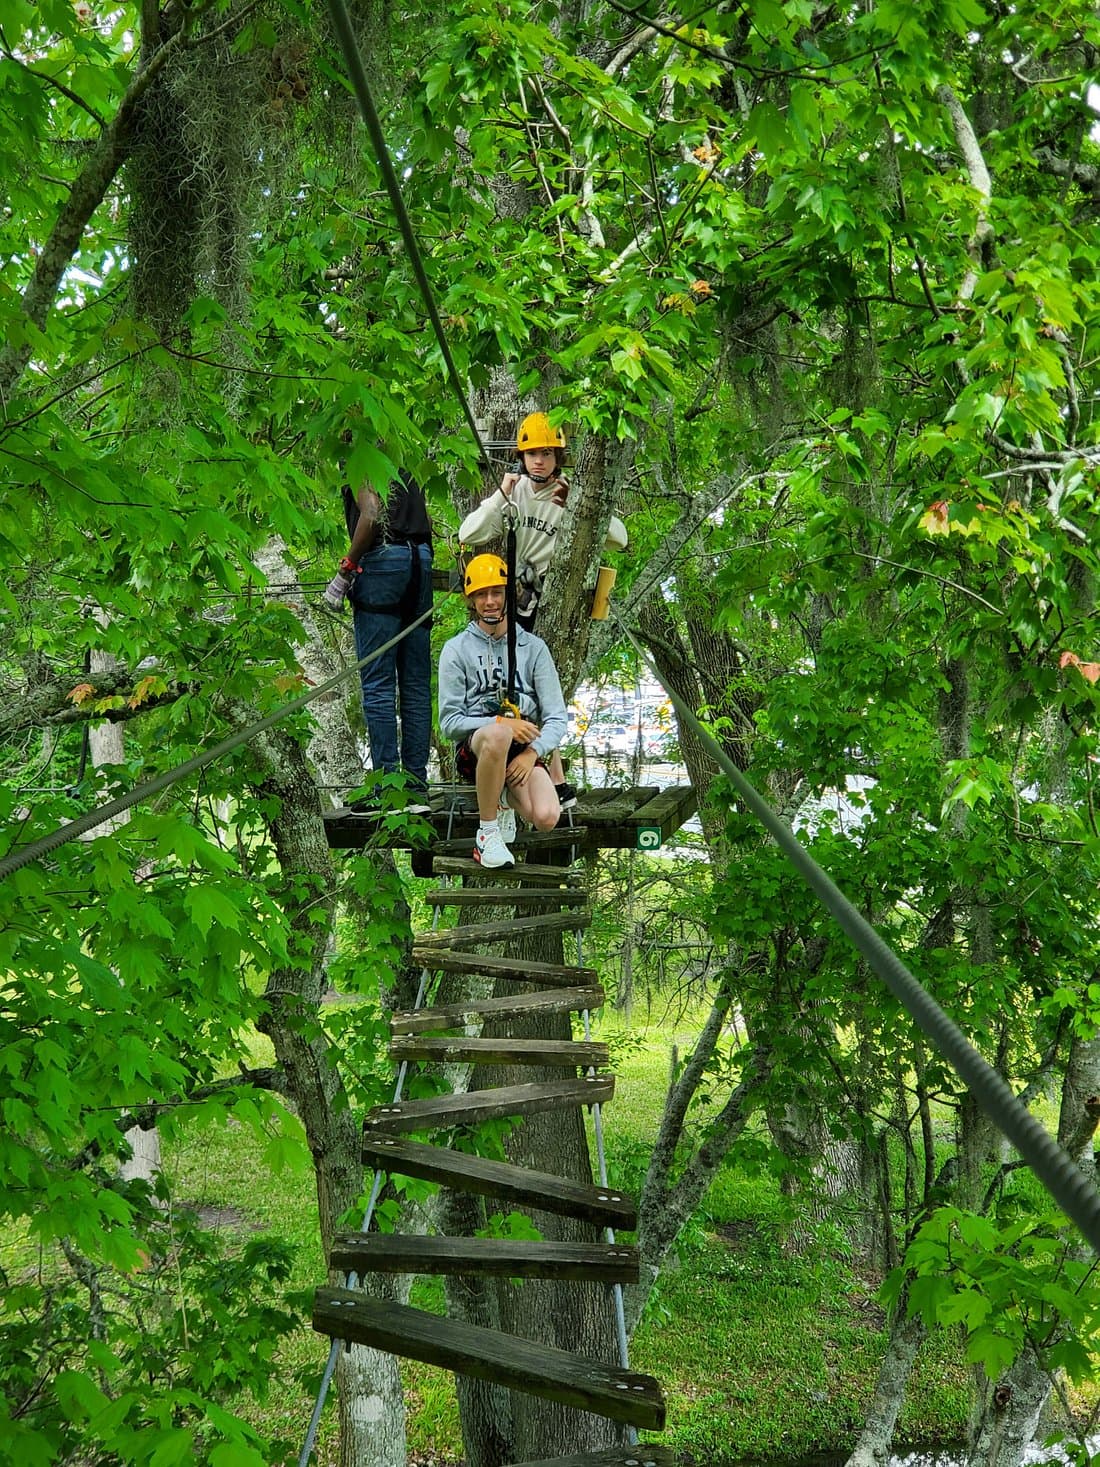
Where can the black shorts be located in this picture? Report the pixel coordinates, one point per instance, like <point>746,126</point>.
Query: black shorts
<point>466,759</point>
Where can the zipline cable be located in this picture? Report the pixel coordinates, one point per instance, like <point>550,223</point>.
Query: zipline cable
<point>1076,1196</point>
<point>357,76</point>
<point>91,818</point>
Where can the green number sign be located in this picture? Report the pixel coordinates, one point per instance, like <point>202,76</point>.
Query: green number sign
<point>649,837</point>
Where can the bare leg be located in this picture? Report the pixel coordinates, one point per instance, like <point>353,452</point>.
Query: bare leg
<point>536,799</point>
<point>491,744</point>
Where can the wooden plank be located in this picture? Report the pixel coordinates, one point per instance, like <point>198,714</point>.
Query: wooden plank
<point>669,810</point>
<point>499,965</point>
<point>499,896</point>
<point>467,1349</point>
<point>615,811</point>
<point>644,1454</point>
<point>453,1015</point>
<point>564,1053</point>
<point>488,1105</point>
<point>525,871</point>
<point>563,835</point>
<point>513,928</point>
<point>518,1186</point>
<point>591,799</point>
<point>606,1263</point>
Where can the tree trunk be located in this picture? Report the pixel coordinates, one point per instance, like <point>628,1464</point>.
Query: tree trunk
<point>1008,1414</point>
<point>105,746</point>
<point>502,1426</point>
<point>566,624</point>
<point>371,1403</point>
<point>873,1448</point>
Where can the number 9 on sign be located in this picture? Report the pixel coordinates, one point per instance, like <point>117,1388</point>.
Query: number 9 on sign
<point>649,838</point>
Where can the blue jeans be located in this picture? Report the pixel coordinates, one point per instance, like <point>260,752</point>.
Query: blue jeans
<point>393,588</point>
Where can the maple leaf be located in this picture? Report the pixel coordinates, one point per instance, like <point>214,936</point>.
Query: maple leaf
<point>81,693</point>
<point>934,518</point>
<point>1090,671</point>
<point>147,687</point>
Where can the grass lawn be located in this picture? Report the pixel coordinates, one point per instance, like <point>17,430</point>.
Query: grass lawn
<point>762,1354</point>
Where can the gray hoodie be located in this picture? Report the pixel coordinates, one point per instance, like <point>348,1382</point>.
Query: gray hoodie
<point>473,678</point>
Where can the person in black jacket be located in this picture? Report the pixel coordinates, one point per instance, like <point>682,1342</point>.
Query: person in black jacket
<point>387,577</point>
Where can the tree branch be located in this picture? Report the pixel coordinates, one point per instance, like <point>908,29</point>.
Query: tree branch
<point>87,193</point>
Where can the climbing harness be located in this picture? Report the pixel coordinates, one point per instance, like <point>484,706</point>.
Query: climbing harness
<point>511,516</point>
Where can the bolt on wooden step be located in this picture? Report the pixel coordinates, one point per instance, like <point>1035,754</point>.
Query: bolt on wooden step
<point>498,965</point>
<point>505,931</point>
<point>455,1015</point>
<point>475,1106</point>
<point>605,1263</point>
<point>508,1360</point>
<point>644,1454</point>
<point>563,1053</point>
<point>501,1181</point>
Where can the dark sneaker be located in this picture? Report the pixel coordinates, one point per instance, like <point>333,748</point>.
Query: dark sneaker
<point>567,795</point>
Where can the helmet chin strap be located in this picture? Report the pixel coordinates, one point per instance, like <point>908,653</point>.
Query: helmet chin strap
<point>492,621</point>
<point>541,478</point>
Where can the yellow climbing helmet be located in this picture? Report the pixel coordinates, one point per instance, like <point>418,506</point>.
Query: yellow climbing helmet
<point>535,432</point>
<point>484,571</point>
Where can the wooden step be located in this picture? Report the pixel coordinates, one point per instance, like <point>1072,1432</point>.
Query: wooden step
<point>644,1454</point>
<point>455,1015</point>
<point>524,871</point>
<point>605,1263</point>
<point>510,930</point>
<point>499,965</point>
<point>517,1186</point>
<point>518,1364</point>
<point>496,896</point>
<point>489,1105</point>
<point>563,835</point>
<point>563,1053</point>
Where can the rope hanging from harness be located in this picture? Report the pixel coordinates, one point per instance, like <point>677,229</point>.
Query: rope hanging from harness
<point>509,706</point>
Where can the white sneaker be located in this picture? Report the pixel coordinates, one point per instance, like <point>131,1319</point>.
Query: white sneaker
<point>490,849</point>
<point>506,819</point>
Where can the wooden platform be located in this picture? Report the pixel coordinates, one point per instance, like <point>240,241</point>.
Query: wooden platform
<point>611,818</point>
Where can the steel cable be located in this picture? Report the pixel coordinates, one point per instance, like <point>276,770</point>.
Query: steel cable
<point>102,813</point>
<point>1063,1180</point>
